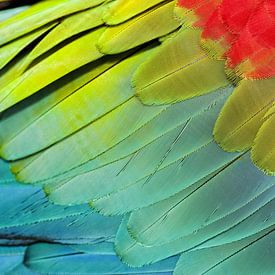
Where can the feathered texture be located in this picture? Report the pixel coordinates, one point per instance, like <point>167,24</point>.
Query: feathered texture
<point>81,238</point>
<point>110,107</point>
<point>242,34</point>
<point>240,31</point>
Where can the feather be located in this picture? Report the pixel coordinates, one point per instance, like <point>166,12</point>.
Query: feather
<point>241,116</point>
<point>173,218</point>
<point>39,15</point>
<point>7,13</point>
<point>170,76</point>
<point>15,120</point>
<point>10,257</point>
<point>155,174</point>
<point>263,150</point>
<point>73,25</point>
<point>120,123</point>
<point>232,227</point>
<point>94,177</point>
<point>152,24</point>
<point>123,10</point>
<point>89,259</point>
<point>112,110</point>
<point>230,257</point>
<point>55,66</point>
<point>28,215</point>
<point>252,54</point>
<point>98,98</point>
<point>9,51</point>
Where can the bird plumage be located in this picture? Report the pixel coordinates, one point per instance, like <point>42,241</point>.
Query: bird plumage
<point>146,129</point>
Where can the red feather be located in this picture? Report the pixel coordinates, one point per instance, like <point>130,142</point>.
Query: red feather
<point>244,29</point>
<point>201,8</point>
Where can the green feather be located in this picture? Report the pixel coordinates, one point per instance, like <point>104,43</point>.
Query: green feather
<point>242,115</point>
<point>67,28</point>
<point>173,218</point>
<point>152,24</point>
<point>55,66</point>
<point>103,175</point>
<point>97,98</point>
<point>231,227</point>
<point>170,76</point>
<point>86,259</point>
<point>15,120</point>
<point>123,10</point>
<point>39,15</point>
<point>238,257</point>
<point>10,50</point>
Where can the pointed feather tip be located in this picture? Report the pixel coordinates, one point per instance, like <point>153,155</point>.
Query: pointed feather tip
<point>138,74</point>
<point>22,180</point>
<point>134,235</point>
<point>122,257</point>
<point>219,139</point>
<point>101,211</point>
<point>140,95</point>
<point>128,259</point>
<point>3,107</point>
<point>268,170</point>
<point>226,145</point>
<point>147,101</point>
<point>59,201</point>
<point>161,99</point>
<point>103,43</point>
<point>122,252</point>
<point>15,178</point>
<point>102,47</point>
<point>20,177</point>
<point>144,99</point>
<point>6,152</point>
<point>107,211</point>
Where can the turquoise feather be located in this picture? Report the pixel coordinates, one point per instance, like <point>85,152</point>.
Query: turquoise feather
<point>126,177</point>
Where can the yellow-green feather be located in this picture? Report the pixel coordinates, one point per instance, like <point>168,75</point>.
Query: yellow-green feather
<point>243,113</point>
<point>263,150</point>
<point>152,24</point>
<point>179,70</point>
<point>122,10</point>
<point>39,15</point>
<point>52,68</point>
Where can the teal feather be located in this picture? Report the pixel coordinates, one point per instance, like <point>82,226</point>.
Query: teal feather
<point>28,214</point>
<point>172,200</point>
<point>89,259</point>
<point>218,229</point>
<point>107,172</point>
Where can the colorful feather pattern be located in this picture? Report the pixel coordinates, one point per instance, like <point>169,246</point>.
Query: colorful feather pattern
<point>115,113</point>
<point>242,34</point>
